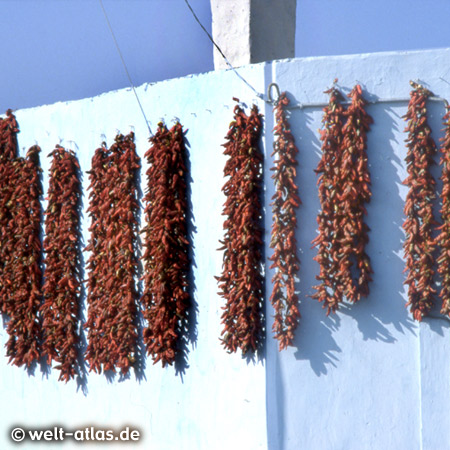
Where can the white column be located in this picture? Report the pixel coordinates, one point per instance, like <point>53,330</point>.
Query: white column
<point>252,31</point>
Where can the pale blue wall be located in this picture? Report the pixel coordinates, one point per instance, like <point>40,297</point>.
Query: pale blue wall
<point>366,378</point>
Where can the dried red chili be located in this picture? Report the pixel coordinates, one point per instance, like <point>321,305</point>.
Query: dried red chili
<point>330,291</point>
<point>443,240</point>
<point>355,193</point>
<point>112,265</point>
<point>166,298</point>
<point>21,274</point>
<point>419,243</point>
<point>61,290</point>
<point>8,136</point>
<point>283,241</point>
<point>241,282</point>
<point>8,153</point>
<point>344,188</point>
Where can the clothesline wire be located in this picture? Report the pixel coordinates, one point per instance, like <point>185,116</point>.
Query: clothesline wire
<point>370,102</point>
<point>259,95</point>
<point>125,65</point>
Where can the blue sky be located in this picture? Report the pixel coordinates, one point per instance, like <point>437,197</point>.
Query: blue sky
<point>59,50</point>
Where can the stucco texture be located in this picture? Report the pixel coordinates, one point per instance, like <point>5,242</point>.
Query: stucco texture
<point>368,377</point>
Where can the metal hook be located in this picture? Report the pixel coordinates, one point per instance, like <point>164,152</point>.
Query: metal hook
<point>269,92</point>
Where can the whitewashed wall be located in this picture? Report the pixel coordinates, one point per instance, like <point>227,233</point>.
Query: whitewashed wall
<point>368,377</point>
<point>219,400</point>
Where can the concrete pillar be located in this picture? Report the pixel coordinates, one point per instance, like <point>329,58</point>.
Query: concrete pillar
<point>252,31</point>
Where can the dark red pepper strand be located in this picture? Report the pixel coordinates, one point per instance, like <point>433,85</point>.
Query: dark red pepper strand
<point>96,353</point>
<point>354,194</point>
<point>284,204</point>
<point>8,137</point>
<point>22,272</point>
<point>344,189</point>
<point>419,243</point>
<point>166,298</point>
<point>112,266</point>
<point>443,240</point>
<point>241,282</point>
<point>8,153</point>
<point>61,290</point>
<point>330,290</point>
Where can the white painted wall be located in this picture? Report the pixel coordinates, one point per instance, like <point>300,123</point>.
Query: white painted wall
<point>219,401</point>
<point>366,378</point>
<point>252,31</point>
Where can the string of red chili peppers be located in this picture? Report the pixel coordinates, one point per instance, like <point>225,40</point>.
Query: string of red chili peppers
<point>165,299</point>
<point>8,153</point>
<point>419,243</point>
<point>283,241</point>
<point>443,240</point>
<point>22,277</point>
<point>61,290</point>
<point>8,137</point>
<point>241,282</point>
<point>329,290</point>
<point>355,194</point>
<point>112,265</point>
<point>343,190</point>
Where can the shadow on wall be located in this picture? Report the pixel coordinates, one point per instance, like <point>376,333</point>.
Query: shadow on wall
<point>384,311</point>
<point>435,114</point>
<point>314,341</point>
<point>189,327</point>
<point>385,306</point>
<point>382,317</point>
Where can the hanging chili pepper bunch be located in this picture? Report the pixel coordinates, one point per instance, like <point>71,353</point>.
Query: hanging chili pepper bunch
<point>22,277</point>
<point>344,188</point>
<point>112,265</point>
<point>283,241</point>
<point>419,243</point>
<point>166,298</point>
<point>8,154</point>
<point>8,137</point>
<point>61,290</point>
<point>355,193</point>
<point>330,290</point>
<point>241,282</point>
<point>443,240</point>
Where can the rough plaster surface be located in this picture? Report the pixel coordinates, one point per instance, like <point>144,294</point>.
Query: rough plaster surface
<point>252,31</point>
<point>365,378</point>
<point>231,32</point>
<point>368,377</point>
<point>204,407</point>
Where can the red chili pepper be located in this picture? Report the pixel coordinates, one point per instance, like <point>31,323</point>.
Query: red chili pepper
<point>241,282</point>
<point>166,298</point>
<point>112,265</point>
<point>419,243</point>
<point>344,188</point>
<point>443,240</point>
<point>20,226</point>
<point>283,241</point>
<point>61,290</point>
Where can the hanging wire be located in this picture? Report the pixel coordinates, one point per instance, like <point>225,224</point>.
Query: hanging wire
<point>124,65</point>
<point>259,95</point>
<point>274,86</point>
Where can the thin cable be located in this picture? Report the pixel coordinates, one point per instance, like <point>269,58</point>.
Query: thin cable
<point>124,65</point>
<point>370,102</point>
<point>221,52</point>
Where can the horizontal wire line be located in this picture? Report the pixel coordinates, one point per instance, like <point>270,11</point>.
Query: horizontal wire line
<point>125,66</point>
<point>259,95</point>
<point>370,102</point>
